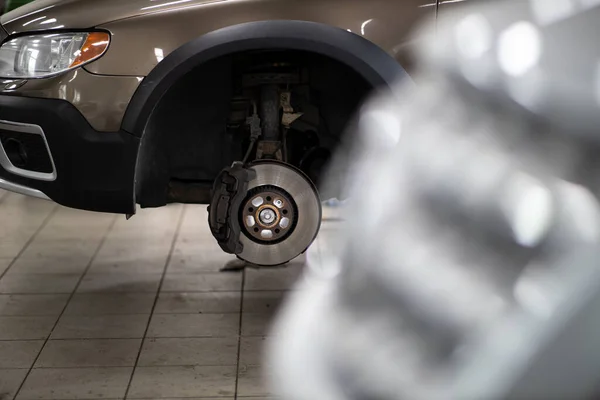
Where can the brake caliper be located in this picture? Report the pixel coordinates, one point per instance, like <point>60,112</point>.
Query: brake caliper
<point>230,189</point>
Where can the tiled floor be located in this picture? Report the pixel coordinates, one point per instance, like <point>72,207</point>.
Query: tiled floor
<point>96,307</point>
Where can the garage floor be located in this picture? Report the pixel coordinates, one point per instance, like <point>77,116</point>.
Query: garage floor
<point>96,307</point>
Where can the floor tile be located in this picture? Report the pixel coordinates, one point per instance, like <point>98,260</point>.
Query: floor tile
<point>220,282</point>
<point>192,347</point>
<point>89,353</point>
<point>71,220</point>
<point>57,247</point>
<point>263,302</point>
<point>194,325</point>
<point>197,242</point>
<point>194,398</point>
<point>253,350</point>
<point>38,283</point>
<point>100,327</point>
<point>11,246</point>
<point>209,260</point>
<point>76,383</point>
<point>129,235</point>
<point>257,324</point>
<point>67,231</point>
<point>189,351</point>
<point>19,354</point>
<point>119,282</point>
<point>134,264</point>
<point>20,221</point>
<point>119,250</point>
<point>110,304</point>
<point>4,263</point>
<point>10,380</point>
<point>258,398</point>
<point>51,265</point>
<point>157,382</point>
<point>253,381</point>
<point>146,221</point>
<point>272,278</point>
<point>32,304</point>
<point>25,328</point>
<point>195,216</point>
<point>198,303</point>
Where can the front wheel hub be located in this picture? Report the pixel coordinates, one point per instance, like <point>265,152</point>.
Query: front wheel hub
<point>267,217</point>
<point>269,214</point>
<point>278,218</point>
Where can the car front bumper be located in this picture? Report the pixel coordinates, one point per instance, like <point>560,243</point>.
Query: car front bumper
<point>82,169</point>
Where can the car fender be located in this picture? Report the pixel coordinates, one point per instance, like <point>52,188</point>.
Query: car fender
<point>375,65</point>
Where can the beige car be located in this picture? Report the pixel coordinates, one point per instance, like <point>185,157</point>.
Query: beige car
<point>109,104</point>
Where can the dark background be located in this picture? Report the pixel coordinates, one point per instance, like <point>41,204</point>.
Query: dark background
<point>7,5</point>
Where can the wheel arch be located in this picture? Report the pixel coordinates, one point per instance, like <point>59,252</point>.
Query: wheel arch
<point>370,61</point>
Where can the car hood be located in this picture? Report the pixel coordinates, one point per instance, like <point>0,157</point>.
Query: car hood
<point>81,14</point>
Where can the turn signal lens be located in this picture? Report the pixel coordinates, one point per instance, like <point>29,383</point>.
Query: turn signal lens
<point>94,46</point>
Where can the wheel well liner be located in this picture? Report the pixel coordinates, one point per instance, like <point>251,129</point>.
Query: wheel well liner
<point>371,62</point>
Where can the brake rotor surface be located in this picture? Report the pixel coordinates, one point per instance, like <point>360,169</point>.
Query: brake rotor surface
<point>280,216</point>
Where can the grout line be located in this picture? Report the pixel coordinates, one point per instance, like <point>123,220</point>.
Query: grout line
<point>129,314</point>
<point>173,398</point>
<point>36,294</point>
<point>196,398</point>
<point>218,292</point>
<point>229,291</point>
<point>31,239</point>
<point>113,398</point>
<point>104,237</point>
<point>131,366</point>
<point>86,367</point>
<point>32,293</point>
<point>239,349</point>
<point>162,279</point>
<point>134,338</point>
<point>126,314</point>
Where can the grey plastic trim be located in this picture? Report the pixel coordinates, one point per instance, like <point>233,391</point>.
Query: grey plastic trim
<point>14,187</point>
<point>8,165</point>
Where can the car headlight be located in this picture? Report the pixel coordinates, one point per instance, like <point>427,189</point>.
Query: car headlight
<point>45,55</point>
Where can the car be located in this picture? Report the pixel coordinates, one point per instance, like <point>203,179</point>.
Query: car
<point>110,104</point>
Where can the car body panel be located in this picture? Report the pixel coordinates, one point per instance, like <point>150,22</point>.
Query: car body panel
<point>147,31</point>
<point>102,100</point>
<point>94,171</point>
<point>150,38</point>
<point>82,14</point>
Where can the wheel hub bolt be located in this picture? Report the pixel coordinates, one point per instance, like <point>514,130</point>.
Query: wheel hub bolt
<point>267,216</point>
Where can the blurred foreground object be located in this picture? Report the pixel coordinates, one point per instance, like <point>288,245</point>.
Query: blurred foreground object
<point>468,267</point>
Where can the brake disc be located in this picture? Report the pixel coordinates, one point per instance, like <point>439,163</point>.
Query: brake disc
<point>288,217</point>
<point>270,219</point>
